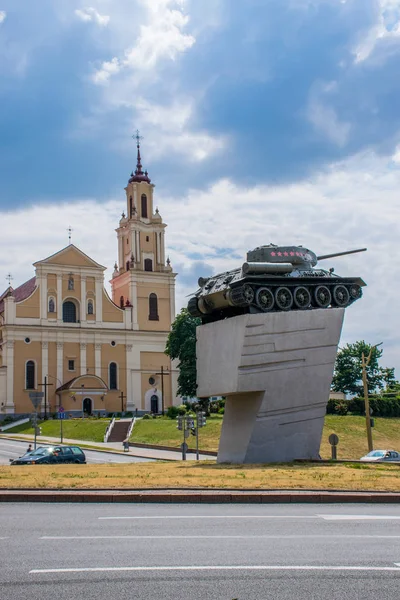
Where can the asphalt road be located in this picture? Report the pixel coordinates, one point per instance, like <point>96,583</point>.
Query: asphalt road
<point>210,552</point>
<point>12,449</point>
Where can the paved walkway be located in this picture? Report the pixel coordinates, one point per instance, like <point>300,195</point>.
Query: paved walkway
<point>109,447</point>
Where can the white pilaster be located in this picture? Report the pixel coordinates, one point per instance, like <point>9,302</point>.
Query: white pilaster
<point>99,299</point>
<point>163,248</point>
<point>158,247</point>
<point>43,296</point>
<point>83,359</point>
<point>45,359</point>
<point>134,302</point>
<point>83,300</point>
<point>135,196</point>
<point>138,258</point>
<point>172,299</point>
<point>130,404</point>
<point>10,407</point>
<point>97,359</point>
<point>135,378</point>
<point>60,360</point>
<point>59,298</point>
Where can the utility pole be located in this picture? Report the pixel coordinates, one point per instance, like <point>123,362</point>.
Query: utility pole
<point>364,363</point>
<point>122,397</point>
<point>45,385</point>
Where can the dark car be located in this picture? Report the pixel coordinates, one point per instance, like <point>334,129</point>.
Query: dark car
<point>50,455</point>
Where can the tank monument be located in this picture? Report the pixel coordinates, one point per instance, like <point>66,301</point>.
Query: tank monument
<point>268,342</point>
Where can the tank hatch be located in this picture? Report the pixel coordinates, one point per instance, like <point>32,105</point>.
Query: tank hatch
<point>295,255</point>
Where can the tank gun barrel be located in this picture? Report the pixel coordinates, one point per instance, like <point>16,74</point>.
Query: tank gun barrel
<point>324,256</point>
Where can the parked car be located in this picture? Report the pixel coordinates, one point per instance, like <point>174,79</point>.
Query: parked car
<point>381,455</point>
<point>50,455</point>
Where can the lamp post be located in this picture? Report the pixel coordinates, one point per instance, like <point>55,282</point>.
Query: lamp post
<point>364,363</point>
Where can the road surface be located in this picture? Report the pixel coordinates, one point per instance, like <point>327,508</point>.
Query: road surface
<point>13,449</point>
<point>207,552</point>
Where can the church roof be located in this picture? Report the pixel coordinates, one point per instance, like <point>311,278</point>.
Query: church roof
<point>20,293</point>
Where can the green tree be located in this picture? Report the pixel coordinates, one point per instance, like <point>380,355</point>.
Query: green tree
<point>389,379</point>
<point>181,346</point>
<point>347,376</point>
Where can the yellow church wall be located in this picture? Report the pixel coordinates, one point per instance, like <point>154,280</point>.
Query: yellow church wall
<point>111,313</point>
<point>29,308</point>
<point>52,371</point>
<point>52,292</point>
<point>76,292</point>
<point>90,285</point>
<point>164,309</point>
<point>150,364</point>
<point>90,358</point>
<point>72,351</point>
<point>123,290</point>
<point>115,354</point>
<point>22,353</point>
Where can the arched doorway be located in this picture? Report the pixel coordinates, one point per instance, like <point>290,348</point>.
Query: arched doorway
<point>87,407</point>
<point>154,404</point>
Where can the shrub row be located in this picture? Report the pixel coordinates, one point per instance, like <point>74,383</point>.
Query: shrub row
<point>381,407</point>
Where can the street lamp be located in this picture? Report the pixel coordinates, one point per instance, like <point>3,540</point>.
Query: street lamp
<point>364,363</point>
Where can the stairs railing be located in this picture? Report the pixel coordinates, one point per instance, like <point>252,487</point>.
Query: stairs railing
<point>108,430</point>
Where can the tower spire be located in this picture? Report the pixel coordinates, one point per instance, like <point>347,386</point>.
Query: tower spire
<point>138,176</point>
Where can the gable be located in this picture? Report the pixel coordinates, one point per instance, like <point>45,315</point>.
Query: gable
<point>71,256</point>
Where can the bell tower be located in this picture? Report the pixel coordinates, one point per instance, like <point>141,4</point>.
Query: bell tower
<point>143,280</point>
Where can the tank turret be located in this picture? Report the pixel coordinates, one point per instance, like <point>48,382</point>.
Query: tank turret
<point>275,278</point>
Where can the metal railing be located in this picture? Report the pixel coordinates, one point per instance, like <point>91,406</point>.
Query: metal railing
<point>108,430</point>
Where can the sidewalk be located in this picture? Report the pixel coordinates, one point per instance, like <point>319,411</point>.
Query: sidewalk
<point>113,447</point>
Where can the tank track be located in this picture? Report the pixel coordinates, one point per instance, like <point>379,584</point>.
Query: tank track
<point>294,297</point>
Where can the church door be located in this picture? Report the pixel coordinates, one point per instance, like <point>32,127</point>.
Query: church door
<point>87,406</point>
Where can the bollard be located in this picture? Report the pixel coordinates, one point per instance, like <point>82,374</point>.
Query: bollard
<point>333,440</point>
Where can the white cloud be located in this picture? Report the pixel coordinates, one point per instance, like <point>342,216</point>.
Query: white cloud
<point>387,27</point>
<point>107,69</point>
<point>3,15</point>
<point>161,38</point>
<point>91,14</point>
<point>324,117</point>
<point>353,205</point>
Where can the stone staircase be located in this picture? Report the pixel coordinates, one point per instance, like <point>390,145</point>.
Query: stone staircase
<point>120,430</point>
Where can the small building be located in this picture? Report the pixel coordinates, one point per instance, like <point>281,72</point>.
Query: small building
<point>62,334</point>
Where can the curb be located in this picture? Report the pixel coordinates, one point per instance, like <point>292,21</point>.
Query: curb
<point>199,496</point>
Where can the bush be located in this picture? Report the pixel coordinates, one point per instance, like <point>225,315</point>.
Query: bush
<point>221,411</point>
<point>182,409</point>
<point>172,412</point>
<point>146,416</point>
<point>341,408</point>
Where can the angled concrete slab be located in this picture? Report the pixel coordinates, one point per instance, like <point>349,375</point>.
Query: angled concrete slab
<point>275,370</point>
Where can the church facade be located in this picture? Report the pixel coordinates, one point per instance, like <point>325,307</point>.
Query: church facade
<point>62,334</point>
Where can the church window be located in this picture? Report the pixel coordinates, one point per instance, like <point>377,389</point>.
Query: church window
<point>153,307</point>
<point>71,365</point>
<point>147,238</point>
<point>90,309</point>
<point>148,264</point>
<point>69,312</point>
<point>144,206</point>
<point>127,265</point>
<point>113,376</point>
<point>70,282</point>
<point>52,305</point>
<point>30,375</point>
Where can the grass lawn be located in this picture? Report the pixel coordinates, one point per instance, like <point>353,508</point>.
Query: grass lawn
<point>350,429</point>
<point>204,474</point>
<point>76,429</point>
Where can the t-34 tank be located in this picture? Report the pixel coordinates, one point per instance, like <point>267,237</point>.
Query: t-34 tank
<point>274,278</point>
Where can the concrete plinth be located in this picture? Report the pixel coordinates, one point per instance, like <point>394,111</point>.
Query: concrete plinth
<point>276,371</point>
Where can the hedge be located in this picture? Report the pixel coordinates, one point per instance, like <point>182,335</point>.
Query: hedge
<point>381,407</point>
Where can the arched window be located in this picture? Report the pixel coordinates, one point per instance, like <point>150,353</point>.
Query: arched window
<point>148,264</point>
<point>144,206</point>
<point>112,376</point>
<point>69,312</point>
<point>30,375</point>
<point>130,207</point>
<point>90,310</point>
<point>153,307</point>
<point>121,302</point>
<point>52,305</point>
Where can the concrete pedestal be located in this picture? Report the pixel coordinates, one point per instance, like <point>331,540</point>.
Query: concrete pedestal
<point>275,370</point>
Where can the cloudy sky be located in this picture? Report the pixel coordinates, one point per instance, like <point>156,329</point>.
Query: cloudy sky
<point>263,121</point>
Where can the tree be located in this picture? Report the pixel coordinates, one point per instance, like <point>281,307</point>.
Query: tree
<point>389,379</point>
<point>181,346</point>
<point>347,376</point>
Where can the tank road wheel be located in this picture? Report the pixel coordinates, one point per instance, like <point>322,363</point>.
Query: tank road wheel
<point>243,295</point>
<point>283,298</point>
<point>322,296</point>
<point>265,299</point>
<point>341,295</point>
<point>302,297</point>
<point>193,308</point>
<point>355,291</point>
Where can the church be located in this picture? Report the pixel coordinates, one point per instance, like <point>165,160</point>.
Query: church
<point>62,334</point>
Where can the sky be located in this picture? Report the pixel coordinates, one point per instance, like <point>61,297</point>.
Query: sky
<point>263,121</point>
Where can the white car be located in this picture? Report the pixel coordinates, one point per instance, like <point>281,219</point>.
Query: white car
<point>381,455</point>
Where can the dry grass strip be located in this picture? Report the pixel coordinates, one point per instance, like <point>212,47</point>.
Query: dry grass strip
<point>203,474</point>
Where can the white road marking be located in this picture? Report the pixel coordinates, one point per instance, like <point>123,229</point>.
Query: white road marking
<point>12,453</point>
<point>214,517</point>
<point>219,568</point>
<point>217,537</point>
<point>359,517</point>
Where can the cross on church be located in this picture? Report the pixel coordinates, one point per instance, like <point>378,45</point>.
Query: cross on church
<point>9,278</point>
<point>137,137</point>
<point>70,230</point>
